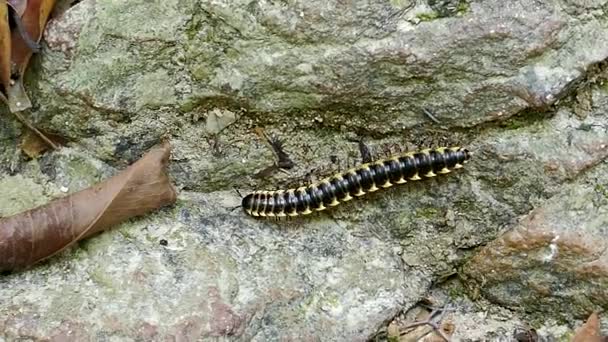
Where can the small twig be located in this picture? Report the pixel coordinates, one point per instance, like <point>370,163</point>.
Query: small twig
<point>35,130</point>
<point>430,115</point>
<point>432,323</point>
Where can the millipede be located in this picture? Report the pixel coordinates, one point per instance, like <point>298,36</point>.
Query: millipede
<point>356,182</point>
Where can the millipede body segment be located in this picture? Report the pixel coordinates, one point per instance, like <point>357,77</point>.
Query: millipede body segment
<point>356,182</point>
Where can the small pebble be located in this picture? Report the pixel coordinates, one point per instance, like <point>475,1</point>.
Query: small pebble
<point>163,242</point>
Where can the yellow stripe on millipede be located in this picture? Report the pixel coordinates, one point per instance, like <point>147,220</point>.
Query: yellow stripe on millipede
<point>360,191</point>
<point>315,188</point>
<point>348,197</point>
<point>365,168</point>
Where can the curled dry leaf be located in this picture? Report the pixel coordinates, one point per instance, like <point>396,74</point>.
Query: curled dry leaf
<point>590,331</point>
<point>39,233</point>
<point>33,20</point>
<point>18,5</point>
<point>21,25</point>
<point>5,52</point>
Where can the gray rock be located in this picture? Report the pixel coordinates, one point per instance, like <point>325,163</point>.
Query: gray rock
<point>115,77</point>
<point>554,257</point>
<point>555,261</point>
<point>463,319</point>
<point>220,274</point>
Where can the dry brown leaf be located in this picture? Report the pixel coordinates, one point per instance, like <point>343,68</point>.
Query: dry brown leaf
<point>39,233</point>
<point>448,328</point>
<point>29,19</point>
<point>18,5</point>
<point>33,145</point>
<point>5,50</point>
<point>34,20</point>
<point>590,331</point>
<point>392,331</point>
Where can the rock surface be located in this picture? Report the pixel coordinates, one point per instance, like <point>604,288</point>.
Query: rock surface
<point>464,320</point>
<point>211,279</point>
<point>115,77</point>
<point>556,260</point>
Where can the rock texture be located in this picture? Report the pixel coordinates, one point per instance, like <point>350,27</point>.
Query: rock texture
<point>555,261</point>
<point>519,83</point>
<point>462,319</point>
<point>257,282</point>
<point>116,77</point>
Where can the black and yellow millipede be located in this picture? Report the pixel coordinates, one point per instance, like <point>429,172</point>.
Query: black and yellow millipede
<point>356,182</point>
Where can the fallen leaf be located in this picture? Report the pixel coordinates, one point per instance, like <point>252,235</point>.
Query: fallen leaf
<point>16,47</point>
<point>392,331</point>
<point>34,20</point>
<point>18,5</point>
<point>33,145</point>
<point>448,328</point>
<point>39,233</point>
<point>590,331</point>
<point>5,51</point>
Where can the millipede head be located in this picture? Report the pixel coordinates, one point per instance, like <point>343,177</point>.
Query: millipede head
<point>247,203</point>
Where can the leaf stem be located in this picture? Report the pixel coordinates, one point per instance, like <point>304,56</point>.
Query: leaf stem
<point>35,130</point>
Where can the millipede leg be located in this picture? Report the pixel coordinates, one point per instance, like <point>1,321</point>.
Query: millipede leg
<point>276,145</point>
<point>400,148</point>
<point>310,177</point>
<point>388,150</point>
<point>283,159</point>
<point>338,163</point>
<point>430,115</point>
<point>423,143</point>
<point>366,154</point>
